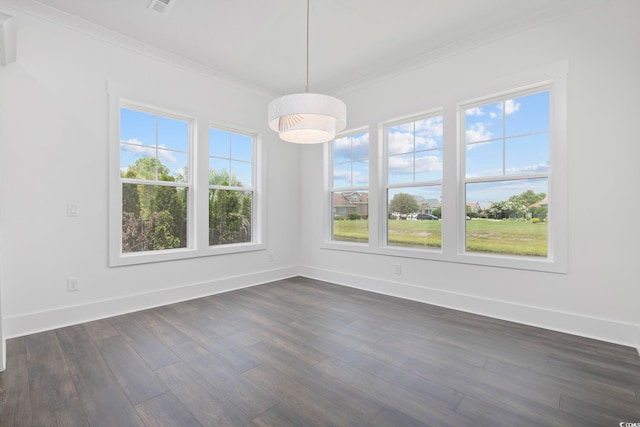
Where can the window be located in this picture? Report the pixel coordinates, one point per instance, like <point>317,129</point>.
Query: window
<point>507,142</point>
<point>180,188</point>
<point>350,188</point>
<point>154,175</point>
<point>414,166</point>
<point>482,181</point>
<point>231,187</point>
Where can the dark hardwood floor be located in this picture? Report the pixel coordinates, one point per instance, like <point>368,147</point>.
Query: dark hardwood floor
<point>299,352</point>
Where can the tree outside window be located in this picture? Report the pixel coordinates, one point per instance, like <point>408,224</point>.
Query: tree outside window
<point>154,153</point>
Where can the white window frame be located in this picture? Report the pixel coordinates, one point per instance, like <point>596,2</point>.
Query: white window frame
<point>198,204</point>
<point>251,188</point>
<point>556,259</point>
<point>385,176</point>
<point>553,75</point>
<point>330,189</point>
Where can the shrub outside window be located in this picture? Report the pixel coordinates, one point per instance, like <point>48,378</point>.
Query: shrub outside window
<point>178,189</point>
<point>154,174</point>
<point>231,187</point>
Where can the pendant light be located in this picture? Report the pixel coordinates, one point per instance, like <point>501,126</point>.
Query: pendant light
<point>307,118</point>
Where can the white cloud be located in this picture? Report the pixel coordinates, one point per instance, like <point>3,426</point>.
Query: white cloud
<point>476,111</point>
<point>400,143</point>
<point>426,143</point>
<point>342,174</point>
<point>477,133</point>
<point>510,106</point>
<point>428,164</point>
<point>136,148</point>
<point>540,167</point>
<point>401,165</point>
<point>132,141</point>
<point>359,178</point>
<point>352,147</point>
<point>360,146</point>
<point>342,148</point>
<point>429,132</point>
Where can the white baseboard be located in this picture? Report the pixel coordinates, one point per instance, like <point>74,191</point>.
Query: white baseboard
<point>3,354</point>
<point>571,323</point>
<point>65,316</point>
<point>576,324</point>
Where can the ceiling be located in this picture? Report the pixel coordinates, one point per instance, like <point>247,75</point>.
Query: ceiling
<point>263,42</point>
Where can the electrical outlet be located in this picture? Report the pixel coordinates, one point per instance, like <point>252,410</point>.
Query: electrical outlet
<point>398,268</point>
<point>72,284</point>
<point>272,257</point>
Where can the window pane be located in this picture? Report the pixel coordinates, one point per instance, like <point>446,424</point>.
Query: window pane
<point>413,217</point>
<point>484,159</point>
<point>219,172</point>
<point>414,151</point>
<point>144,147</point>
<point>219,143</point>
<point>483,123</point>
<point>341,150</point>
<point>173,134</point>
<point>527,154</point>
<point>360,174</point>
<point>241,147</point>
<point>137,127</point>
<point>428,166</point>
<point>231,159</point>
<point>153,217</point>
<point>360,146</point>
<point>230,214</point>
<point>400,139</point>
<point>350,211</point>
<point>527,114</point>
<point>429,133</point>
<point>350,156</point>
<point>400,168</point>
<point>137,162</point>
<point>342,175</point>
<point>172,166</point>
<point>242,172</point>
<point>512,219</point>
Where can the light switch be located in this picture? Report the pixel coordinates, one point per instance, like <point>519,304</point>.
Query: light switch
<point>73,209</point>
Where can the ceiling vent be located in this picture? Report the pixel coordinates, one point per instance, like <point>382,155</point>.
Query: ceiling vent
<point>161,6</point>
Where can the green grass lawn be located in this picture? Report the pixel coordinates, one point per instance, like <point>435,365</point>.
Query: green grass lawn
<point>498,237</point>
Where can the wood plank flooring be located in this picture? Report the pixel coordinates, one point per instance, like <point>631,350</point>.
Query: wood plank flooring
<point>300,352</point>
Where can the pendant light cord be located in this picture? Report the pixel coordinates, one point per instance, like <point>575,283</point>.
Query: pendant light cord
<point>306,88</point>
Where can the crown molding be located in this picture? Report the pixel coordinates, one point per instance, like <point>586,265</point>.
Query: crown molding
<point>562,9</point>
<point>38,10</point>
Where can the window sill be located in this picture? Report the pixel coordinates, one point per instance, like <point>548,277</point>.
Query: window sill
<point>499,261</point>
<point>119,260</point>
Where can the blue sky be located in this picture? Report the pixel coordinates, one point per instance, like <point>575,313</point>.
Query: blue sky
<point>232,152</point>
<point>147,135</point>
<point>351,161</point>
<point>502,139</point>
<point>505,139</point>
<point>167,139</point>
<point>415,151</point>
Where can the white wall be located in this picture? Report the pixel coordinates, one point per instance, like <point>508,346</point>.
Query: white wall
<point>54,121</point>
<point>599,296</point>
<point>53,150</point>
